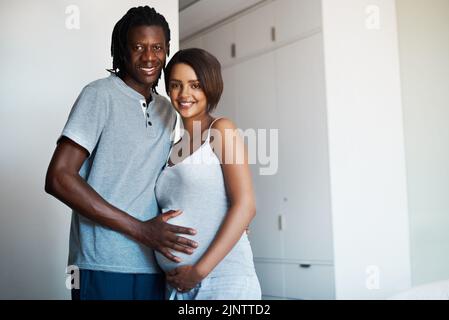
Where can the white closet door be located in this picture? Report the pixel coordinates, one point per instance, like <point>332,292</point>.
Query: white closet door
<point>256,109</point>
<point>303,165</point>
<point>227,105</point>
<point>313,283</point>
<point>219,42</point>
<point>256,97</point>
<point>293,18</point>
<point>192,43</point>
<point>272,278</point>
<point>253,31</point>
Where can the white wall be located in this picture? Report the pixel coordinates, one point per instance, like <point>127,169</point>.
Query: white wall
<point>366,149</point>
<point>44,66</point>
<point>424,52</point>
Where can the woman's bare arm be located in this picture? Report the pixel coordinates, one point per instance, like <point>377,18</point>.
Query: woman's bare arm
<point>237,177</point>
<point>231,151</point>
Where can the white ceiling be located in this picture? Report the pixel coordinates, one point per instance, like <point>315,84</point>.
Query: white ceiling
<point>200,14</point>
<point>185,3</point>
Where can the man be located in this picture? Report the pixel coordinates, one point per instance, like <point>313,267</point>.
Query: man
<point>111,151</point>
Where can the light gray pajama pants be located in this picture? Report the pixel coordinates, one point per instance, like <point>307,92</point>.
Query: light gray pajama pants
<point>221,288</point>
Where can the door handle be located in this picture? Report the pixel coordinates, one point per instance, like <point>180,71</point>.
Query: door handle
<point>281,222</point>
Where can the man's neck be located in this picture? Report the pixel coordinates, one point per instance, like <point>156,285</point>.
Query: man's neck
<point>142,89</point>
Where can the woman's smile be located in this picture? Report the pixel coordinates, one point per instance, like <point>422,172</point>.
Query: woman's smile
<point>186,104</point>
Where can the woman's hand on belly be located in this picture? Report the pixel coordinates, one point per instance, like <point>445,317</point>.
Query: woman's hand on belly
<point>184,278</point>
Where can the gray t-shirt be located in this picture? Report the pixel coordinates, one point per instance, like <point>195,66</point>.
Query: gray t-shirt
<point>128,144</point>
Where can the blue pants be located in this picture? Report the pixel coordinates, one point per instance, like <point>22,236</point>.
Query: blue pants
<point>100,285</point>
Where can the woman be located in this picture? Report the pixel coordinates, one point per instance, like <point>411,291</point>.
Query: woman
<point>208,178</point>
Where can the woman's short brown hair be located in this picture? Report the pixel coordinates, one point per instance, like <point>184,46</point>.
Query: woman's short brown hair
<point>207,68</point>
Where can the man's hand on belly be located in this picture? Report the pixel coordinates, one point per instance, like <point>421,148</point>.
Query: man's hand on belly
<point>163,237</point>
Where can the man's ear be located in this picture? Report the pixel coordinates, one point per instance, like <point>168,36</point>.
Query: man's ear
<point>168,49</point>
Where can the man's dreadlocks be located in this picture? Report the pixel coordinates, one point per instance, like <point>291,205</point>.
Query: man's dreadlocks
<point>135,17</point>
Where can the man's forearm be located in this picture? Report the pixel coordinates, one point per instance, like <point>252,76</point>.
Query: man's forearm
<point>80,196</point>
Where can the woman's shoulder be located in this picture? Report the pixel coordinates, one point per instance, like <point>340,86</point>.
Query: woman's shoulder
<point>223,123</point>
<point>225,137</point>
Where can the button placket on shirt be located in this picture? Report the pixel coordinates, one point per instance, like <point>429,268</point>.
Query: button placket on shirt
<point>146,112</point>
<point>150,129</point>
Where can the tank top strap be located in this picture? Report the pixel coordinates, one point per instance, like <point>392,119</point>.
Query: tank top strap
<point>210,127</point>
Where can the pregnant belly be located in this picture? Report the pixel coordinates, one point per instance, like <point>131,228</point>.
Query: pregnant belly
<point>206,232</point>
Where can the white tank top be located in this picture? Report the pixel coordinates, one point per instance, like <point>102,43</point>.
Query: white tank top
<point>196,186</point>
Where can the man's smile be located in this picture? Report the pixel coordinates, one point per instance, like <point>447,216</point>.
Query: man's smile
<point>149,71</point>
